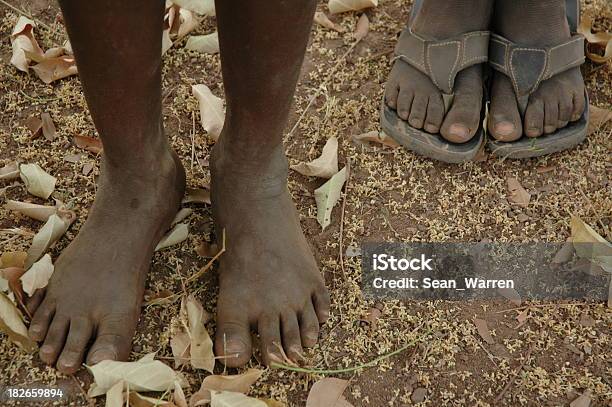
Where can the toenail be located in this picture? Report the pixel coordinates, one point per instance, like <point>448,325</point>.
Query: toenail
<point>504,128</point>
<point>47,349</point>
<point>430,128</point>
<point>533,131</point>
<point>459,130</point>
<point>36,329</point>
<point>562,124</point>
<point>234,347</point>
<point>549,129</point>
<point>103,354</point>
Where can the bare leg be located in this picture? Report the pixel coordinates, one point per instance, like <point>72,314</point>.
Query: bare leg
<point>269,280</point>
<point>96,290</point>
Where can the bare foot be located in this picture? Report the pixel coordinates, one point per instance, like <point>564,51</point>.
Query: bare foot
<point>560,99</point>
<point>95,293</point>
<point>415,97</point>
<point>269,280</point>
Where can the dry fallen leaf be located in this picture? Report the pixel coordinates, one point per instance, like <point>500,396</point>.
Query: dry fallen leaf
<point>179,343</point>
<point>584,400</point>
<point>327,196</point>
<point>38,275</point>
<point>362,28</point>
<point>34,124</point>
<point>138,400</point>
<point>73,158</point>
<point>598,118</point>
<point>590,245</point>
<point>34,211</point>
<point>181,215</point>
<point>178,234</point>
<point>197,195</point>
<point>211,110</point>
<point>324,21</point>
<point>179,396</point>
<point>516,193</point>
<point>231,399</point>
<point>201,346</point>
<point>208,43</point>
<point>340,6</point>
<point>205,7</point>
<point>145,374</point>
<point>48,128</point>
<point>366,139</point>
<point>37,181</point>
<point>11,269</point>
<point>115,396</point>
<point>10,171</point>
<point>601,40</point>
<point>11,323</point>
<point>240,383</point>
<point>90,144</point>
<point>24,43</point>
<point>327,392</point>
<point>325,166</point>
<point>50,233</point>
<point>483,330</point>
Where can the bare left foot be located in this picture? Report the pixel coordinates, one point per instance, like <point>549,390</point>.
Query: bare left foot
<point>269,280</point>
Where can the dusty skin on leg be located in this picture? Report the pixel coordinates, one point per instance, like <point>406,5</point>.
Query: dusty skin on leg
<point>560,99</point>
<point>95,293</point>
<point>415,97</point>
<point>269,279</point>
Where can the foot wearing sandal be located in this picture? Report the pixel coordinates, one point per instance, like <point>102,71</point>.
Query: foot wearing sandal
<point>417,94</point>
<point>549,101</point>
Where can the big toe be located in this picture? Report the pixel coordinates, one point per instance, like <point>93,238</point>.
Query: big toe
<point>233,340</point>
<point>113,340</point>
<point>463,119</point>
<point>504,122</point>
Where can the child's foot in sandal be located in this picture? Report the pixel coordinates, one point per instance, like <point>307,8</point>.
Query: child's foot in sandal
<point>414,95</point>
<point>556,101</point>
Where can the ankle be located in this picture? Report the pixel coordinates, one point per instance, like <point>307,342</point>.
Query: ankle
<point>441,19</point>
<point>532,23</point>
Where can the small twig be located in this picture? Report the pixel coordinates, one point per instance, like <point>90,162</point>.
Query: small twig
<point>371,363</point>
<point>26,14</point>
<point>210,263</point>
<point>507,386</point>
<point>193,130</point>
<point>542,306</point>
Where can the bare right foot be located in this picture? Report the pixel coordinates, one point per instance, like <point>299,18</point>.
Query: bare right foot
<point>95,293</point>
<point>416,98</point>
<point>268,278</point>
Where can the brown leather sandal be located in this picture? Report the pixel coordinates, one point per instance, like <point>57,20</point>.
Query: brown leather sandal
<point>527,67</point>
<point>440,60</point>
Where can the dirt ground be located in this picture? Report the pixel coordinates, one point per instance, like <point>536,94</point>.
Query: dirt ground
<point>561,351</point>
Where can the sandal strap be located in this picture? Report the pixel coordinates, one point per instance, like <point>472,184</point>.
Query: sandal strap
<point>527,67</point>
<point>441,60</point>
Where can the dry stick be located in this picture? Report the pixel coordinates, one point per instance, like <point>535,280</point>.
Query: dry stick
<point>192,139</point>
<point>371,363</point>
<point>346,188</point>
<point>543,306</point>
<point>26,14</point>
<point>507,386</point>
<point>210,263</point>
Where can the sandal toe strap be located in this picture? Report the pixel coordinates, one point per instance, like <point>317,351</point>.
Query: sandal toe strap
<point>441,60</point>
<point>527,67</point>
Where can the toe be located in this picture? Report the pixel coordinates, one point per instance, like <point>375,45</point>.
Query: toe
<point>435,114</point>
<point>71,358</point>
<point>233,338</point>
<point>309,325</point>
<point>418,111</point>
<point>404,102</point>
<point>54,341</point>
<point>551,115</point>
<point>271,344</point>
<point>41,320</point>
<point>33,302</point>
<point>534,118</point>
<point>113,340</point>
<point>578,106</point>
<point>292,343</point>
<point>463,118</point>
<point>504,122</point>
<point>565,111</point>
<point>321,304</point>
<point>391,93</point>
